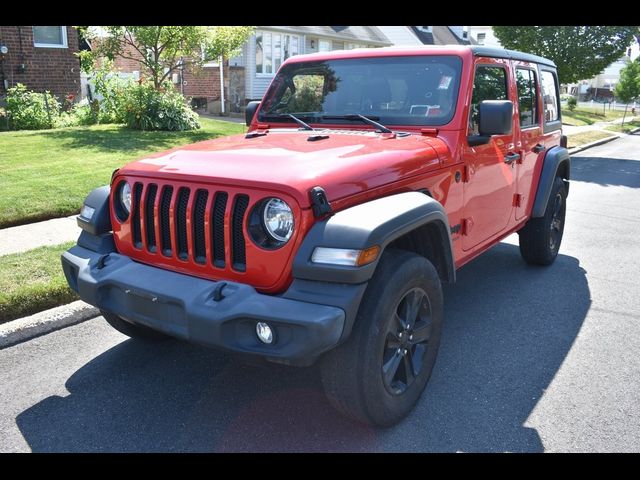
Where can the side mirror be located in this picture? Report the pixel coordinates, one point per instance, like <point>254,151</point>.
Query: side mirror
<point>250,111</point>
<point>495,117</point>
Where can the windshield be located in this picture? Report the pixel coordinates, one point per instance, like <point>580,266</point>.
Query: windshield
<point>404,90</point>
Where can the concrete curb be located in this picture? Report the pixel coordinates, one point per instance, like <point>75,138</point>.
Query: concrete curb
<point>26,328</point>
<point>594,144</point>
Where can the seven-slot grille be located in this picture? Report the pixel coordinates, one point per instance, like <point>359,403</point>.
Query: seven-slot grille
<point>163,214</point>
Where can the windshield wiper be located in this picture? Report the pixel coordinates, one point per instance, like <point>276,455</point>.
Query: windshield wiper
<point>362,118</point>
<point>303,124</point>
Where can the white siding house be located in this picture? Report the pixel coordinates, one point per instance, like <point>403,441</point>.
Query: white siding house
<point>269,46</point>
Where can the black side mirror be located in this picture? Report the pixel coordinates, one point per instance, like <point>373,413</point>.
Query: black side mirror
<point>250,111</point>
<point>495,117</point>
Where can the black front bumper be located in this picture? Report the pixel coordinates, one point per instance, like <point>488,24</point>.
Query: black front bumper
<point>183,306</point>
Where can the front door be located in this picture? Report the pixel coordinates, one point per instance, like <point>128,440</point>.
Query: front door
<point>490,182</point>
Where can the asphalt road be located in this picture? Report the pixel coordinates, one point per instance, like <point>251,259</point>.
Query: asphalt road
<point>532,359</point>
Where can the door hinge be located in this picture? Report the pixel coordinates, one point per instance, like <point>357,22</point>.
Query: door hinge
<point>467,225</point>
<point>517,200</point>
<point>466,173</point>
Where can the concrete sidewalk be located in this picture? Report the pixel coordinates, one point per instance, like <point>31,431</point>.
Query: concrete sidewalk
<point>34,235</point>
<point>572,130</point>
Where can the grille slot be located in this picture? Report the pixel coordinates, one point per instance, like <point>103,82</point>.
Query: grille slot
<point>181,223</point>
<point>238,256</point>
<point>165,229</point>
<point>217,224</point>
<point>149,223</point>
<point>199,244</point>
<point>135,221</point>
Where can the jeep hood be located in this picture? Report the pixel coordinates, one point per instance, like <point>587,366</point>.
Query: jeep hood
<point>344,164</point>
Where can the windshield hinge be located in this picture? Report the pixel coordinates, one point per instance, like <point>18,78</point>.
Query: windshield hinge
<point>319,203</point>
<point>430,132</point>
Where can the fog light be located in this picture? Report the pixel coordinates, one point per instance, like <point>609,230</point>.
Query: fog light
<point>264,332</point>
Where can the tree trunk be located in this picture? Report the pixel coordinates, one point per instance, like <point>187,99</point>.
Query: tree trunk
<point>624,114</point>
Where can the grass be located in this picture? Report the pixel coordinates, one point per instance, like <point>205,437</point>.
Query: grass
<point>48,173</point>
<point>628,126</point>
<point>33,281</point>
<point>589,115</point>
<point>579,139</point>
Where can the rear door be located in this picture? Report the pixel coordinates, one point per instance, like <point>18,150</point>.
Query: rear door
<point>490,183</point>
<point>531,141</point>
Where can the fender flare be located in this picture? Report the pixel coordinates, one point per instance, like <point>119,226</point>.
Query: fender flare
<point>556,159</point>
<point>378,222</point>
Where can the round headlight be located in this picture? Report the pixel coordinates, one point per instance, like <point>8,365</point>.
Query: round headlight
<point>277,218</point>
<point>125,197</point>
<point>122,201</point>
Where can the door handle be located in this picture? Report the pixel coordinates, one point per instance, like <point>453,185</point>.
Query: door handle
<point>509,158</point>
<point>538,148</point>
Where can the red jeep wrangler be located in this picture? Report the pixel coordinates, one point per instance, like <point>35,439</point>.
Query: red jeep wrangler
<point>366,178</point>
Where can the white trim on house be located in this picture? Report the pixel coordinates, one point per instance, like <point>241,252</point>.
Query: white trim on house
<point>64,44</point>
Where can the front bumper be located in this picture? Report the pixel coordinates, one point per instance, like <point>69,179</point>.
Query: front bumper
<point>183,306</point>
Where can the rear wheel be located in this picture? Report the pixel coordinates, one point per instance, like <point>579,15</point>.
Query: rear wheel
<point>131,329</point>
<point>540,238</point>
<point>378,374</point>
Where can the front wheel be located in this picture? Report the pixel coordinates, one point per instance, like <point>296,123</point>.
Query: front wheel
<point>540,238</point>
<point>378,374</point>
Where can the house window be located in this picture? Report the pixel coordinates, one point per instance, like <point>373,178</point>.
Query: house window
<point>351,46</point>
<point>324,46</point>
<point>50,37</point>
<point>481,38</point>
<point>272,49</point>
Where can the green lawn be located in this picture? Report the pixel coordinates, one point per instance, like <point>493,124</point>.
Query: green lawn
<point>586,115</point>
<point>48,173</point>
<point>33,281</point>
<point>579,139</point>
<point>628,126</point>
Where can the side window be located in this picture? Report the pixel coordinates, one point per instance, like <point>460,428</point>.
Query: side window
<point>527,97</point>
<point>490,83</point>
<point>550,96</point>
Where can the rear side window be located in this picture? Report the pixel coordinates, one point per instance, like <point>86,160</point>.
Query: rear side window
<point>550,96</point>
<point>527,97</point>
<point>490,83</point>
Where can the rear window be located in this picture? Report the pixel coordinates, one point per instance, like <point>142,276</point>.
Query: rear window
<point>550,96</point>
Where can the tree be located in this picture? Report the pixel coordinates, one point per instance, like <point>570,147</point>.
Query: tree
<point>579,52</point>
<point>161,50</point>
<point>628,88</point>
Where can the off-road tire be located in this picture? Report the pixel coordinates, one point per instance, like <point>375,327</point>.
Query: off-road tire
<point>352,373</point>
<point>540,238</point>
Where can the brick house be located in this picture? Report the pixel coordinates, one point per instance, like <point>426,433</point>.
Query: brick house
<point>41,58</point>
<point>247,76</point>
<point>202,85</point>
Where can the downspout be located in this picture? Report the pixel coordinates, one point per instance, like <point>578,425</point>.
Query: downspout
<point>221,84</point>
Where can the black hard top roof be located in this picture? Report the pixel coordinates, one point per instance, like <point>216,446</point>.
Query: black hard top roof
<point>481,51</point>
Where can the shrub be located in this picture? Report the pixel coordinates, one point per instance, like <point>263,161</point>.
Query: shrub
<point>572,103</point>
<point>29,110</point>
<point>112,89</point>
<point>146,108</point>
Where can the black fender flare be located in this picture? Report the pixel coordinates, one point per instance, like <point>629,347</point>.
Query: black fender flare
<point>556,159</point>
<point>100,221</point>
<point>377,222</point>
